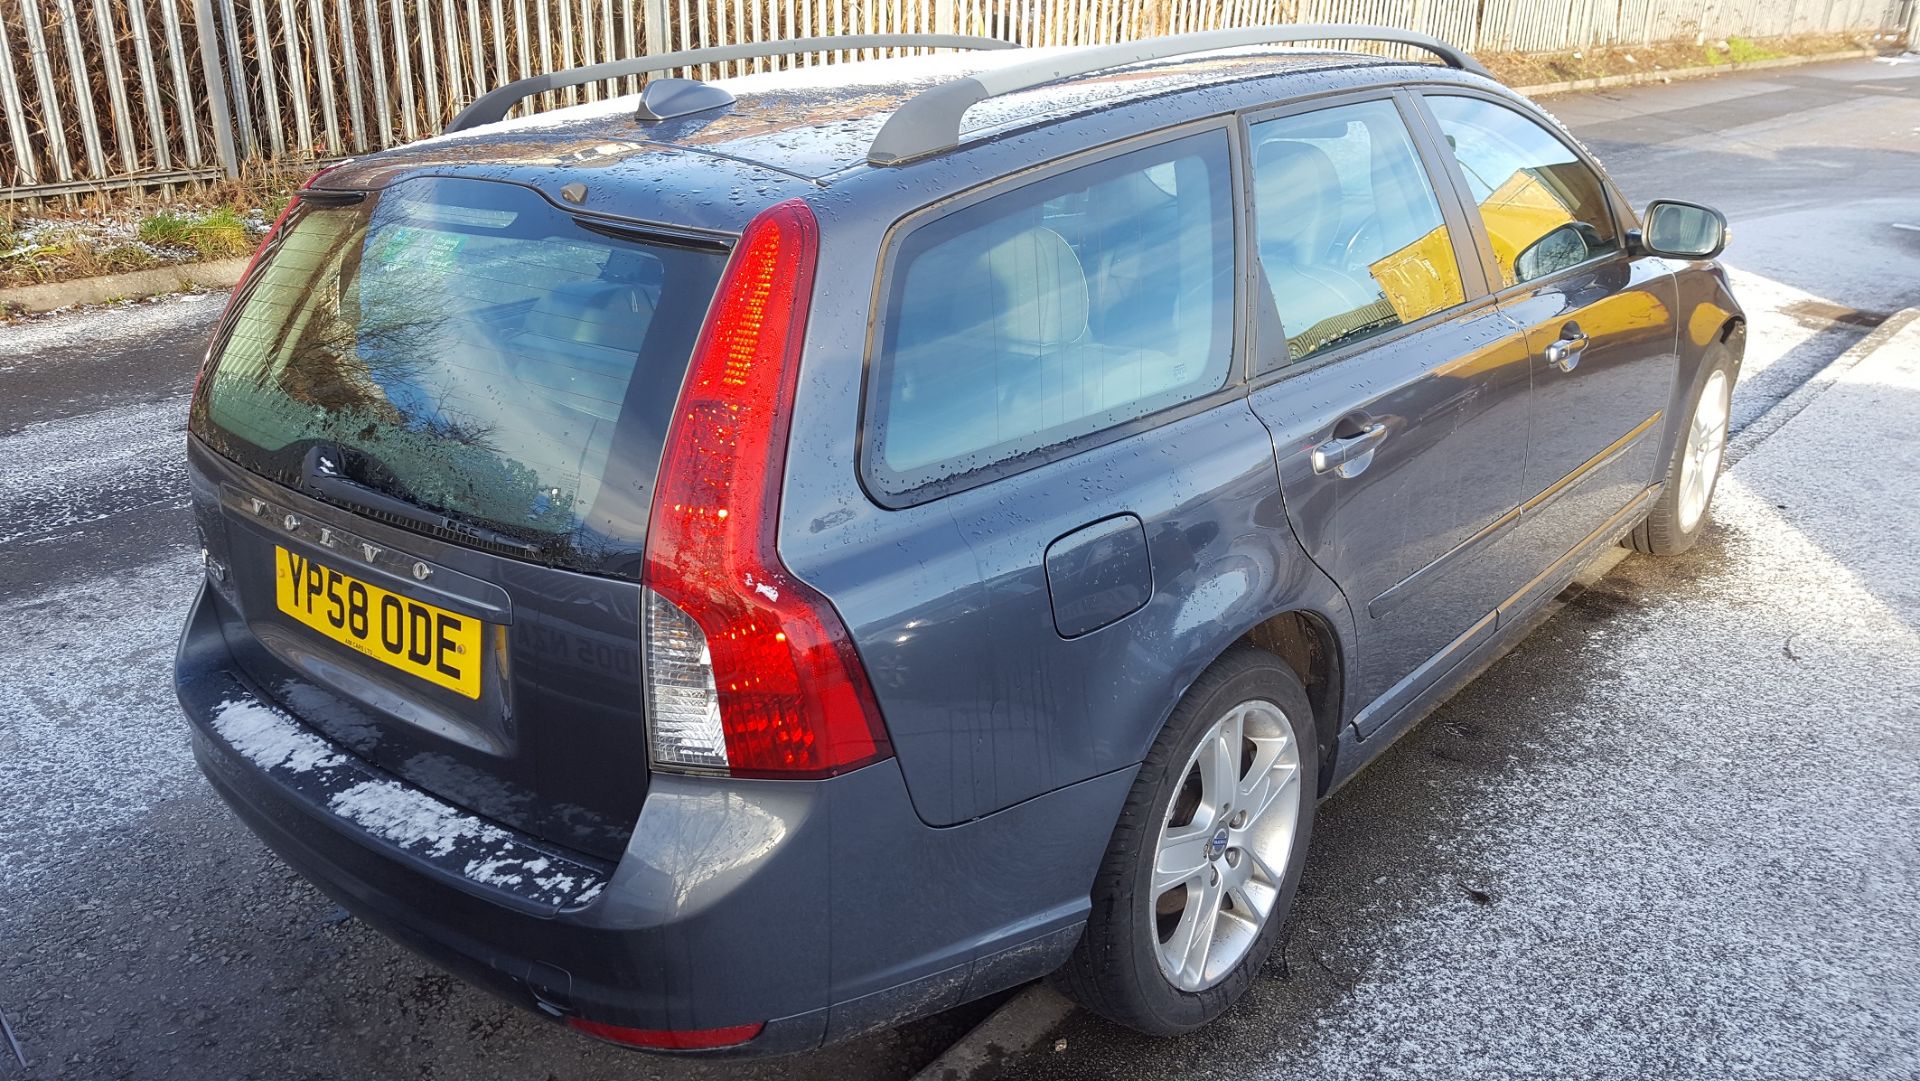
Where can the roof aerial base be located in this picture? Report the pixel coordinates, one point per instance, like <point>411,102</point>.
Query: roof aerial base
<point>664,99</point>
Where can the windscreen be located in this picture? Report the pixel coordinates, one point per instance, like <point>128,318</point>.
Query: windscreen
<point>463,357</point>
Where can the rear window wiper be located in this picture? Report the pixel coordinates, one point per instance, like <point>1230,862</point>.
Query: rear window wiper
<point>325,479</point>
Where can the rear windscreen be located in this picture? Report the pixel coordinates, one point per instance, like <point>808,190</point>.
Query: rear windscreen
<point>463,349</point>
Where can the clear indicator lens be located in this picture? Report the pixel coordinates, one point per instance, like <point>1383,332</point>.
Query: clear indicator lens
<point>683,707</point>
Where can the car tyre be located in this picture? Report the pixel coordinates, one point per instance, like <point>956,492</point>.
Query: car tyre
<point>1679,516</point>
<point>1140,928</point>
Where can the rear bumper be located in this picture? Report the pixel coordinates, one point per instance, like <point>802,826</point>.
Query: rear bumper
<point>824,909</point>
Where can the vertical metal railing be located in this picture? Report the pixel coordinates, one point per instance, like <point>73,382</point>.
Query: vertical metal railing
<point>99,93</point>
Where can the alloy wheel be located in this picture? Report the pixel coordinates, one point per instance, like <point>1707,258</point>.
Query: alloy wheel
<point>1706,446</point>
<point>1224,845</point>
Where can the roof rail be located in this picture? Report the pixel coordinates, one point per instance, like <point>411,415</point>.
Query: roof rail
<point>929,122</point>
<point>492,106</point>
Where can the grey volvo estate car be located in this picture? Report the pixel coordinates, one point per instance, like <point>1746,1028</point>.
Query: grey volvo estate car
<point>743,564</point>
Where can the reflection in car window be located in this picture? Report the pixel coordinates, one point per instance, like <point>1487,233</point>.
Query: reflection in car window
<point>459,345</point>
<point>1544,209</point>
<point>1351,238</point>
<point>1066,306</point>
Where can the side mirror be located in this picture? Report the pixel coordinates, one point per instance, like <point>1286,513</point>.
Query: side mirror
<point>1683,230</point>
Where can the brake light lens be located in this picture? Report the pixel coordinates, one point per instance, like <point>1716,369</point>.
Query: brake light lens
<point>748,669</point>
<point>669,1039</point>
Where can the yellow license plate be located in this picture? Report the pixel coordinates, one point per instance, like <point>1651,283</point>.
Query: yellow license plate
<point>420,639</point>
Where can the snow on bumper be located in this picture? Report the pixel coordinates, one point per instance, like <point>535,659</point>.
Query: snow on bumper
<point>399,815</point>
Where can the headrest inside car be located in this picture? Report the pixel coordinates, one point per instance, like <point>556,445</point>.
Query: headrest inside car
<point>1039,288</point>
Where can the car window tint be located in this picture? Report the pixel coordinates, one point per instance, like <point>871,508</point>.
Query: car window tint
<point>1351,237</point>
<point>1544,209</point>
<point>1074,303</point>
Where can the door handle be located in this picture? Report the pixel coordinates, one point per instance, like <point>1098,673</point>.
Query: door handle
<point>1349,455</point>
<point>1565,353</point>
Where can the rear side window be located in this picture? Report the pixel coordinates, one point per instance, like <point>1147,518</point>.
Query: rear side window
<point>469,350</point>
<point>1072,304</point>
<point>1352,241</point>
<point>1544,209</point>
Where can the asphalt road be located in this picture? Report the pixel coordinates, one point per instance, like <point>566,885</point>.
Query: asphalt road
<point>144,933</point>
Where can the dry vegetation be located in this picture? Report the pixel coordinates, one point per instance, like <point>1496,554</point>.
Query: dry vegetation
<point>127,229</point>
<point>1537,69</point>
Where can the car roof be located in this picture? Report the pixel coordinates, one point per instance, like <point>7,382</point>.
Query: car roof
<point>794,132</point>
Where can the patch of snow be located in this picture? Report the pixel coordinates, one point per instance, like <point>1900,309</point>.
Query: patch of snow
<point>495,871</point>
<point>90,737</point>
<point>58,475</point>
<point>411,819</point>
<point>271,739</point>
<point>552,118</point>
<point>72,451</point>
<point>130,322</point>
<point>416,822</point>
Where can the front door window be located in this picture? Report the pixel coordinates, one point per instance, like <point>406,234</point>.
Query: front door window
<point>1352,242</point>
<point>1545,210</point>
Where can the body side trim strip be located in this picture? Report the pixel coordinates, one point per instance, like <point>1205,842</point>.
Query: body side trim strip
<point>1358,747</point>
<point>1417,680</point>
<point>1398,594</point>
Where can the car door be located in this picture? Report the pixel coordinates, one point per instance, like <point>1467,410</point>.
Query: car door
<point>1398,399</point>
<point>1599,320</point>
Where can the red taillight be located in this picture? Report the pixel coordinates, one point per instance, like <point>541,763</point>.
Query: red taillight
<point>669,1039</point>
<point>770,655</point>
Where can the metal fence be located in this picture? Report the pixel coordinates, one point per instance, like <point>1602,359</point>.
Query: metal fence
<point>105,93</point>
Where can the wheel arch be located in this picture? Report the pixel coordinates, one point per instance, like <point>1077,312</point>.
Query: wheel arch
<point>1309,644</point>
<point>1709,320</point>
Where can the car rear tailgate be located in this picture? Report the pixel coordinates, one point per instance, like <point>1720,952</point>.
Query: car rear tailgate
<point>423,458</point>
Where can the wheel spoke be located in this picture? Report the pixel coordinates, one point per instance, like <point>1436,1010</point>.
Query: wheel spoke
<point>1182,855</point>
<point>1220,762</point>
<point>1203,911</point>
<point>1263,785</point>
<point>1259,867</point>
<point>1248,908</point>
